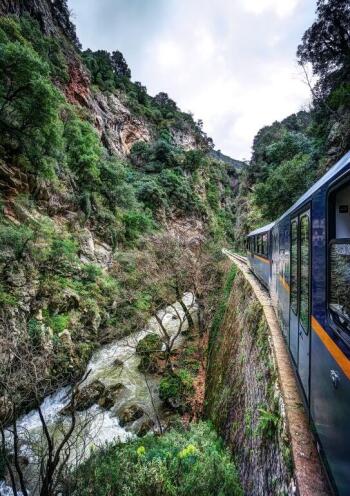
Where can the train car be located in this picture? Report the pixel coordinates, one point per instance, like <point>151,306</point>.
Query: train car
<point>259,253</point>
<point>307,271</point>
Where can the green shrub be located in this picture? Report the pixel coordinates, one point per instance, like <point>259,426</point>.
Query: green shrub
<point>35,331</point>
<point>151,194</point>
<point>175,389</point>
<point>14,240</point>
<point>177,189</point>
<point>63,253</point>
<point>288,180</point>
<point>91,272</point>
<point>179,463</point>
<point>57,323</point>
<point>83,150</point>
<point>136,223</point>
<point>193,160</point>
<point>268,422</point>
<point>7,298</point>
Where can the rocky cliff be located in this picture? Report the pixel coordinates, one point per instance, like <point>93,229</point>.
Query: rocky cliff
<point>52,15</point>
<point>101,170</point>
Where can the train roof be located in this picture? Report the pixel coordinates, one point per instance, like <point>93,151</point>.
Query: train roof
<point>332,173</point>
<point>263,229</point>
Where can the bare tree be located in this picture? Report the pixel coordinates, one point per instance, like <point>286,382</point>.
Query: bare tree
<point>37,461</point>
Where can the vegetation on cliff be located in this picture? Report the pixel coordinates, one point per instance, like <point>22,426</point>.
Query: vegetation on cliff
<point>93,243</point>
<point>63,192</point>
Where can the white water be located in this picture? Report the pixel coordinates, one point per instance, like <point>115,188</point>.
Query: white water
<point>97,426</point>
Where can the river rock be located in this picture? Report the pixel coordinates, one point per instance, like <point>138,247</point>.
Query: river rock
<point>130,414</point>
<point>86,397</point>
<point>145,427</point>
<point>118,363</point>
<point>95,393</point>
<point>90,395</point>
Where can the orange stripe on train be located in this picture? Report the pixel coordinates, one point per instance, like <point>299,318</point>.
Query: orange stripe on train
<point>334,350</point>
<point>284,283</point>
<point>265,260</point>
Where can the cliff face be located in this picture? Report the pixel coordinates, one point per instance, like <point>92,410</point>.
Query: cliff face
<point>243,399</point>
<point>52,15</point>
<point>79,210</point>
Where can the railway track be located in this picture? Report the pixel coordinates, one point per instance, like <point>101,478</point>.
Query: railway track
<point>235,256</point>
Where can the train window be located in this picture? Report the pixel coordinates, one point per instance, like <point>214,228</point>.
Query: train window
<point>294,267</point>
<point>339,294</point>
<point>264,244</point>
<point>339,258</point>
<point>305,271</point>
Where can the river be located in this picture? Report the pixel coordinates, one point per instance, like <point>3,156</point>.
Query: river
<point>113,364</point>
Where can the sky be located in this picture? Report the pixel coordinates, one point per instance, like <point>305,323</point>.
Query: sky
<point>232,63</point>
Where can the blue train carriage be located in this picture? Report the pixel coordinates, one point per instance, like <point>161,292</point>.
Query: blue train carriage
<point>259,253</point>
<point>310,289</point>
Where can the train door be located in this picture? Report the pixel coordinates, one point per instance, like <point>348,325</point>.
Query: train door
<point>299,338</point>
<point>294,289</point>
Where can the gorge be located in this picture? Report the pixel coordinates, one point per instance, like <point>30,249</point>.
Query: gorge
<point>135,354</point>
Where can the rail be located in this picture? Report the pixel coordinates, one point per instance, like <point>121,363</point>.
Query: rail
<point>235,255</point>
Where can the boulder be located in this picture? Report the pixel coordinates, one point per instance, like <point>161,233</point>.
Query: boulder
<point>95,393</point>
<point>130,414</point>
<point>86,397</point>
<point>87,247</point>
<point>90,395</point>
<point>103,254</point>
<point>146,426</point>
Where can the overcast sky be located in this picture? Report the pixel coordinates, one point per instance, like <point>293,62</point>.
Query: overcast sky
<point>231,62</point>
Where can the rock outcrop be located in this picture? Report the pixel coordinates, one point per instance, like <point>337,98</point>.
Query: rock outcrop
<point>118,128</point>
<point>53,15</point>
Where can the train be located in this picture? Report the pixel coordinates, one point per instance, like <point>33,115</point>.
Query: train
<point>303,259</point>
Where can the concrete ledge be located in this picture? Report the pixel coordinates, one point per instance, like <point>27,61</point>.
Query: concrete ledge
<point>308,471</point>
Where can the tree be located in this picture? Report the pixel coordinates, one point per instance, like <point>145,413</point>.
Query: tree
<point>83,151</point>
<point>29,109</point>
<point>100,66</point>
<point>326,45</point>
<point>119,65</point>
<point>163,100</point>
<point>141,92</point>
<point>287,181</point>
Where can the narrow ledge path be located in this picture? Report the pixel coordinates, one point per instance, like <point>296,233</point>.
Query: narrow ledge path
<point>308,470</point>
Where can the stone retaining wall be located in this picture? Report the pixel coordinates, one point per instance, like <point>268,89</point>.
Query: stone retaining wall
<point>253,400</point>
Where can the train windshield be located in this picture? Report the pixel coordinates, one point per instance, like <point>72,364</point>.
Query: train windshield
<point>339,294</point>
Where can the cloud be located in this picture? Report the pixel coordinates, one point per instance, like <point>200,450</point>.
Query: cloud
<point>282,8</point>
<point>232,63</point>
